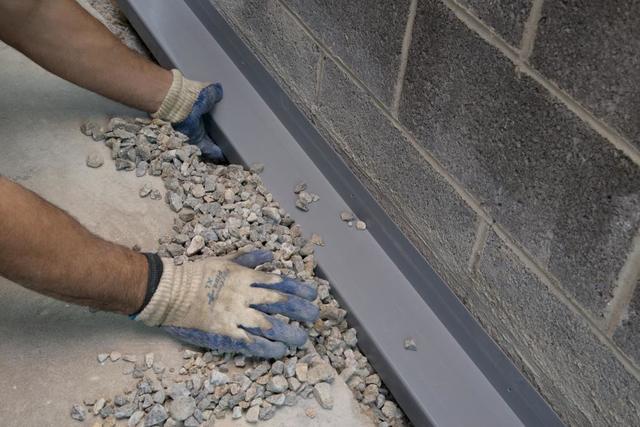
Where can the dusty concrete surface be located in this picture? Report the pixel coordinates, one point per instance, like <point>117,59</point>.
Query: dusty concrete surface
<point>48,348</point>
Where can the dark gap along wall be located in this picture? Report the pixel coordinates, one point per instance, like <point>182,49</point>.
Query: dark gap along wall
<point>504,138</point>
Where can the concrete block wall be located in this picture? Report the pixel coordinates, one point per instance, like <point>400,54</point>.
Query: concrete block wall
<point>503,137</point>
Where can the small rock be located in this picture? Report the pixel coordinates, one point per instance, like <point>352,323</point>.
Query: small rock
<point>302,370</point>
<point>361,225</point>
<point>322,393</point>
<point>135,418</point>
<point>175,202</point>
<point>276,399</point>
<point>196,245</point>
<point>95,160</point>
<point>277,384</point>
<point>78,412</point>
<point>125,411</point>
<point>316,239</point>
<point>267,412</point>
<point>277,368</point>
<point>239,361</point>
<point>300,187</point>
<point>182,408</point>
<point>120,400</point>
<point>390,410</point>
<point>320,372</point>
<point>98,406</point>
<point>218,378</point>
<point>410,344</point>
<point>155,195</point>
<point>115,356</point>
<point>102,357</point>
<point>131,358</point>
<point>252,414</point>
<point>272,213</point>
<point>148,359</point>
<point>156,415</point>
<point>346,216</point>
<point>310,412</point>
<point>145,190</point>
<point>237,413</point>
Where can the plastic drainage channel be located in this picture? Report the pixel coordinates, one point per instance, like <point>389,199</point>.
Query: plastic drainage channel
<point>458,376</point>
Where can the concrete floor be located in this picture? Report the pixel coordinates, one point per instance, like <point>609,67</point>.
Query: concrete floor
<point>48,348</point>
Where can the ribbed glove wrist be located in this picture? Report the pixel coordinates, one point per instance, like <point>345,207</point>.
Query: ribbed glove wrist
<point>178,102</point>
<point>174,296</point>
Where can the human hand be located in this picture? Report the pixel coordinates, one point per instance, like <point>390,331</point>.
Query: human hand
<point>185,106</point>
<point>224,304</point>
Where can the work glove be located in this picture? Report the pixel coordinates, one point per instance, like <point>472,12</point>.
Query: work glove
<point>185,104</point>
<point>225,305</point>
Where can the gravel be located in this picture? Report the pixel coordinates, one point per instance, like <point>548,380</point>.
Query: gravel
<point>220,210</point>
<point>410,344</point>
<point>322,393</point>
<point>95,160</point>
<point>78,412</point>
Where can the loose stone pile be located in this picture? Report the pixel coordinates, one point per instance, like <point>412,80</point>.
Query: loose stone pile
<point>223,209</point>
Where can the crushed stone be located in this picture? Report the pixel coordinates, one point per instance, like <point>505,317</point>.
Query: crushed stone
<point>219,210</point>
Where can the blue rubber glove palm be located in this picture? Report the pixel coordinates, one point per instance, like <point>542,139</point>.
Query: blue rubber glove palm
<point>193,125</point>
<point>220,303</point>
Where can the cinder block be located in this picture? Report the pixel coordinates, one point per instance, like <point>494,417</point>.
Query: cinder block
<point>627,336</point>
<point>366,35</point>
<point>560,189</point>
<point>278,39</point>
<point>394,171</point>
<point>591,49</point>
<point>576,373</point>
<point>506,17</point>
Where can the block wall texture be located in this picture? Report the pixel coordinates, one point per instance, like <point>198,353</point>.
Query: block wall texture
<point>502,137</point>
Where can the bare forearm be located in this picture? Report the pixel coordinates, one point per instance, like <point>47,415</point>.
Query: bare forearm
<point>65,39</point>
<point>46,250</point>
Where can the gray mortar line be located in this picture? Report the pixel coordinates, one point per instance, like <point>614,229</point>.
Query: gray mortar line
<point>530,30</point>
<point>482,231</point>
<point>625,287</point>
<point>552,283</point>
<point>404,58</point>
<point>608,133</point>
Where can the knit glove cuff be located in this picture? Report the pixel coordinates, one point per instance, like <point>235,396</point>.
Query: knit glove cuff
<point>175,294</point>
<point>178,102</point>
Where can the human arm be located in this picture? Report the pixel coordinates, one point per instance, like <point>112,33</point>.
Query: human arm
<point>66,40</point>
<point>48,251</point>
<point>217,303</point>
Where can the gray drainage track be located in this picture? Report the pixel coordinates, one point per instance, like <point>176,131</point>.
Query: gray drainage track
<point>458,376</point>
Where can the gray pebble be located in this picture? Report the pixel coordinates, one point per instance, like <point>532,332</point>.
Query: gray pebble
<point>125,411</point>
<point>320,372</point>
<point>94,160</point>
<point>277,384</point>
<point>102,357</point>
<point>145,190</point>
<point>237,413</point>
<point>322,393</point>
<point>410,344</point>
<point>78,412</point>
<point>156,415</point>
<point>252,414</point>
<point>267,412</point>
<point>346,216</point>
<point>135,418</point>
<point>277,368</point>
<point>361,225</point>
<point>182,408</point>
